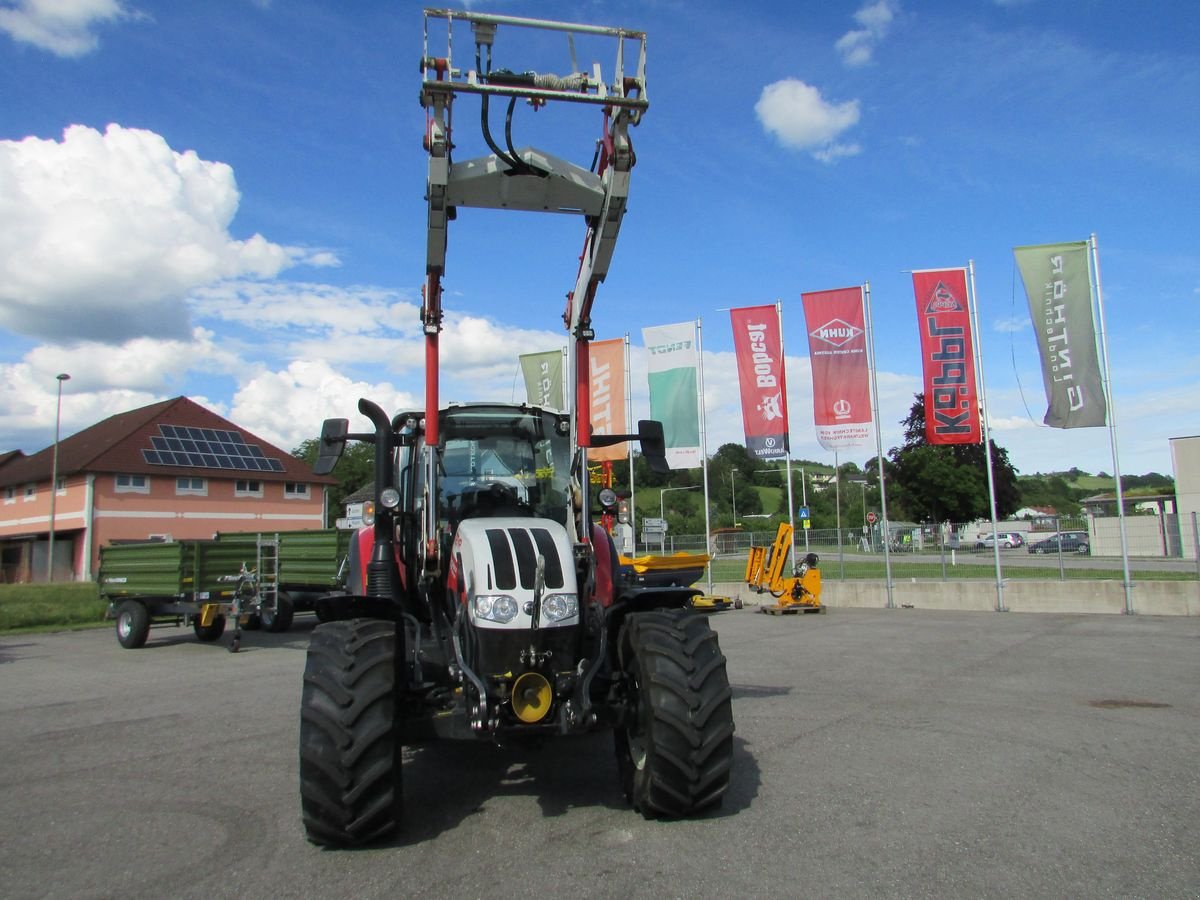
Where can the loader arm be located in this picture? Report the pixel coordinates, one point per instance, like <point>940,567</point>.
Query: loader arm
<point>525,179</point>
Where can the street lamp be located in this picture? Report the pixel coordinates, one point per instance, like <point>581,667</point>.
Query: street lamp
<point>662,509</point>
<point>54,476</point>
<point>733,494</point>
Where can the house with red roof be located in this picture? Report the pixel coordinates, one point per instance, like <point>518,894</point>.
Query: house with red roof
<point>169,471</point>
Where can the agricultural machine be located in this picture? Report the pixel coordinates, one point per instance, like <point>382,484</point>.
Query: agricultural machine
<point>483,602</point>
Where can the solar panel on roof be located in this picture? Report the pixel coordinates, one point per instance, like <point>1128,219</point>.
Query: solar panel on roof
<point>207,448</point>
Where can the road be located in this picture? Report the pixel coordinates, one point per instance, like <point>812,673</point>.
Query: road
<point>879,753</point>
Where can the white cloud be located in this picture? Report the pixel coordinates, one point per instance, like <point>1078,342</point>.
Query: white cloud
<point>140,364</point>
<point>287,407</point>
<point>105,234</point>
<point>802,119</point>
<point>64,27</point>
<point>858,46</point>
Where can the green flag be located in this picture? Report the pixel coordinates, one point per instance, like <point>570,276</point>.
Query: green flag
<point>1058,286</point>
<point>672,369</point>
<point>543,378</point>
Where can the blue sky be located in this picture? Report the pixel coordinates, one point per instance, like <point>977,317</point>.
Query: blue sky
<point>225,200</point>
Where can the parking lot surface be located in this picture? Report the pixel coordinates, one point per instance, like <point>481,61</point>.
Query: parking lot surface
<point>909,753</point>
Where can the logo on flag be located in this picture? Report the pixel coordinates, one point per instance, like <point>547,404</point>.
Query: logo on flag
<point>836,332</point>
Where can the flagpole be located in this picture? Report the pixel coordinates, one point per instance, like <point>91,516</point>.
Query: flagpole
<point>887,532</point>
<point>973,306</point>
<point>787,436</point>
<point>629,445</point>
<point>1112,426</point>
<point>703,444</point>
<point>837,503</point>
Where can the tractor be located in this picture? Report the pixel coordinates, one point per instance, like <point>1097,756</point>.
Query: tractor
<point>484,601</point>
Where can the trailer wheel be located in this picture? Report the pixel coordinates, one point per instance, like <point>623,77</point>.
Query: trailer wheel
<point>350,786</point>
<point>676,751</point>
<point>210,632</point>
<point>280,618</point>
<point>133,624</point>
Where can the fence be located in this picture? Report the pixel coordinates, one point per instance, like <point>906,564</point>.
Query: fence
<point>1053,548</point>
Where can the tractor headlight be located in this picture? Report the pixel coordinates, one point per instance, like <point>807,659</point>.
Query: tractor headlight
<point>389,498</point>
<point>495,607</point>
<point>560,607</point>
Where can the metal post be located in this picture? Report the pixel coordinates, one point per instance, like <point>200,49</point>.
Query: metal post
<point>973,304</point>
<point>885,529</point>
<point>1196,546</point>
<point>54,477</point>
<point>703,443</point>
<point>1112,429</point>
<point>1062,572</point>
<point>837,500</point>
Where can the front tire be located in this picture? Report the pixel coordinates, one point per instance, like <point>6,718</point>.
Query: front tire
<point>133,624</point>
<point>676,752</point>
<point>350,788</point>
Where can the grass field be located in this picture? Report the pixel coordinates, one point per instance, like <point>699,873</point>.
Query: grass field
<point>29,607</point>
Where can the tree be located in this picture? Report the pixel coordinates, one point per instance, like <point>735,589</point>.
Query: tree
<point>937,483</point>
<point>354,471</point>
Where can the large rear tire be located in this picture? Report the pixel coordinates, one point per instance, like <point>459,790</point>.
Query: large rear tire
<point>350,787</point>
<point>676,753</point>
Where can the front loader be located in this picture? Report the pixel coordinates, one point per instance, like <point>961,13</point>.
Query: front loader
<point>483,602</point>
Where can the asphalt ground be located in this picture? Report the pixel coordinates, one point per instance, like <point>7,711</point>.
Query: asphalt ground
<point>901,753</point>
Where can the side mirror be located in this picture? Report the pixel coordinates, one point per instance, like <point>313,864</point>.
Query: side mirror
<point>333,442</point>
<point>654,445</point>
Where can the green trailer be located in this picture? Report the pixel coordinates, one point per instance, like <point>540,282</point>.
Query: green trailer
<point>197,583</point>
<point>254,579</point>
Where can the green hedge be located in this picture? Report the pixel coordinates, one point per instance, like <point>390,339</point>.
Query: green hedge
<point>65,605</point>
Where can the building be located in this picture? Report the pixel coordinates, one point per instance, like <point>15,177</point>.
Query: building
<point>171,470</point>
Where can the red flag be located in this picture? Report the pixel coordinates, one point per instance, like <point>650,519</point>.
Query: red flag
<point>607,360</point>
<point>951,399</point>
<point>759,353</point>
<point>837,347</point>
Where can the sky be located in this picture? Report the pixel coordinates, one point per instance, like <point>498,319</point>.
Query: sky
<point>226,200</point>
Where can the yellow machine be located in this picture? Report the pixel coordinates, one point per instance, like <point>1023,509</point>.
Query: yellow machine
<point>764,573</point>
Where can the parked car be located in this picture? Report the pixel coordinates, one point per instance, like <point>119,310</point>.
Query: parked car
<point>1006,539</point>
<point>1064,541</point>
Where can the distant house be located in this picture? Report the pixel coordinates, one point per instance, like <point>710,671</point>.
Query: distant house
<point>171,470</point>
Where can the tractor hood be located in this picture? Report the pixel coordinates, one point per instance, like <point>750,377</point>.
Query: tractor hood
<point>514,573</point>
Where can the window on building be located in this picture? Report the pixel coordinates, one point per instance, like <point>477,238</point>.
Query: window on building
<point>30,491</point>
<point>295,490</point>
<point>61,485</point>
<point>247,487</point>
<point>187,484</point>
<point>132,484</point>
<point>10,495</point>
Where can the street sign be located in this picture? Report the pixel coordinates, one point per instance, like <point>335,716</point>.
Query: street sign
<point>808,523</point>
<point>804,512</point>
<point>655,525</point>
<point>872,518</point>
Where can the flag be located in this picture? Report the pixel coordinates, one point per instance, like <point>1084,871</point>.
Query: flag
<point>607,363</point>
<point>758,349</point>
<point>947,358</point>
<point>837,347</point>
<point>543,378</point>
<point>1059,289</point>
<point>672,365</point>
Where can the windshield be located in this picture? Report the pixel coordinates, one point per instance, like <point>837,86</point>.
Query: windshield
<point>503,460</point>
